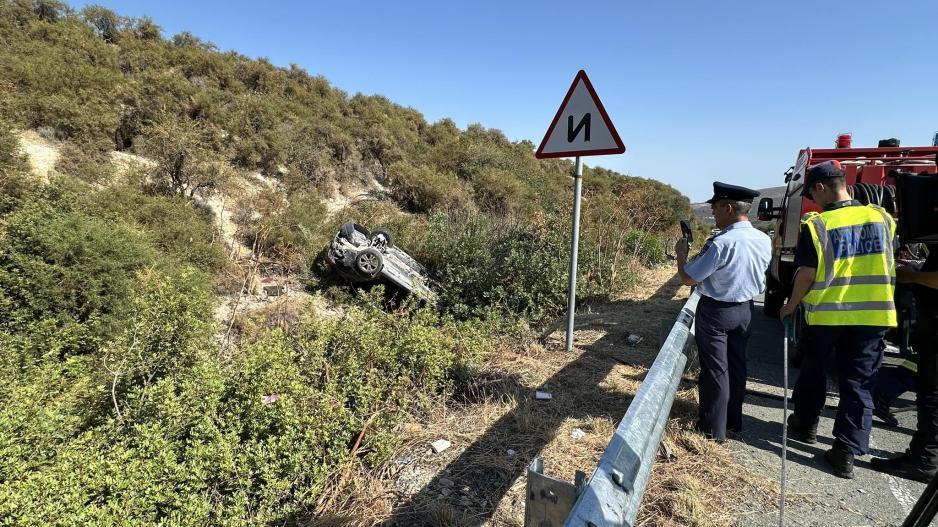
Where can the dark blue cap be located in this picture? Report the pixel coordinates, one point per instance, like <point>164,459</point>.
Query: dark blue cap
<point>825,170</point>
<point>732,192</point>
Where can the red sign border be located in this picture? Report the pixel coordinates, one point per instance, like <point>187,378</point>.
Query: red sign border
<point>581,75</point>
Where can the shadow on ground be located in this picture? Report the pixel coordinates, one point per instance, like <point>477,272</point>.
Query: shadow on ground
<point>486,469</point>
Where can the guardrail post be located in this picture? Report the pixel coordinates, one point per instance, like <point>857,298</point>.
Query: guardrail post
<point>549,500</point>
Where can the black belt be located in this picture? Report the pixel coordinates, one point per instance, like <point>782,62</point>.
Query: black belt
<point>722,303</point>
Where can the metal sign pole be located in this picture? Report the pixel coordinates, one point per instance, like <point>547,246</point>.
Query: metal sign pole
<point>574,250</point>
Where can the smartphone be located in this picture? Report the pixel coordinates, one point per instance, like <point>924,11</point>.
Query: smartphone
<point>686,232</point>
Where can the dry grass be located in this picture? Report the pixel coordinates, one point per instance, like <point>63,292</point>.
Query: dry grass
<point>496,428</point>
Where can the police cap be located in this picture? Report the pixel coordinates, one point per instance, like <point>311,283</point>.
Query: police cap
<point>732,192</point>
<point>821,171</point>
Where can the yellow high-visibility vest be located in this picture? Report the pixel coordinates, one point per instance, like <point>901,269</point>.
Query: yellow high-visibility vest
<point>856,274</point>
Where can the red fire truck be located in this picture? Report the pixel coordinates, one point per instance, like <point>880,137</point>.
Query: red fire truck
<point>869,173</point>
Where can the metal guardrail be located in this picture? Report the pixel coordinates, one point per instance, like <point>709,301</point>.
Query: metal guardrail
<point>612,495</point>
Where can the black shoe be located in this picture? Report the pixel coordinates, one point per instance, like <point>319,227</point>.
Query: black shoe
<point>707,433</point>
<point>799,432</point>
<point>882,410</point>
<point>840,458</point>
<point>904,466</point>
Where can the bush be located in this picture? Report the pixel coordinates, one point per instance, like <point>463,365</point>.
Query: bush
<point>176,226</point>
<point>88,162</point>
<point>60,266</point>
<point>12,162</point>
<point>422,189</point>
<point>246,440</point>
<point>290,229</point>
<point>647,248</point>
<point>486,264</point>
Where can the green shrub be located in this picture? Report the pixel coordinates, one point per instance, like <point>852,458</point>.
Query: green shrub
<point>87,162</point>
<point>58,263</point>
<point>12,162</point>
<point>515,268</point>
<point>178,229</point>
<point>422,189</point>
<point>204,439</point>
<point>647,248</point>
<point>291,229</point>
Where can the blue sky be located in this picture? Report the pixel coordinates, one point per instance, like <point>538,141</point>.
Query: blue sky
<point>697,90</point>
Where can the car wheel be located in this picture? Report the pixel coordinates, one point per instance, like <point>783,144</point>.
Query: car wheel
<point>381,239</point>
<point>369,262</point>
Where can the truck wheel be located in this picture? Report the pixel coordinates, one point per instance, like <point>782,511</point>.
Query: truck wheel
<point>369,262</point>
<point>381,239</point>
<point>774,297</point>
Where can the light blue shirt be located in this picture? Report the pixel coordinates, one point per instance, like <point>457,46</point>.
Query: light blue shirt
<point>731,266</point>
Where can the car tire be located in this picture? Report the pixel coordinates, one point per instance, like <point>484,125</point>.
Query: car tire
<point>369,263</point>
<point>375,238</point>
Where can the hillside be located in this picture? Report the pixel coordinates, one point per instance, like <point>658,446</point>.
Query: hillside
<point>150,187</point>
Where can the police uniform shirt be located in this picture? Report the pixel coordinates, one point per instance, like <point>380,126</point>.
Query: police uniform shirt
<point>731,266</point>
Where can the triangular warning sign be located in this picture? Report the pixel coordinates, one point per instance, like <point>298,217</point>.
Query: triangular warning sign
<point>581,126</point>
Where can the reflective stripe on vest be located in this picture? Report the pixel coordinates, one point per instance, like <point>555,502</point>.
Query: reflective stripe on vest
<point>855,280</point>
<point>850,306</point>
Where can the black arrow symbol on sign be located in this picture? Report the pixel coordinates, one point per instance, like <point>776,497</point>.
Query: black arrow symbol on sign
<point>573,132</point>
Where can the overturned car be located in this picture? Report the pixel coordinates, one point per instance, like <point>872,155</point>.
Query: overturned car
<point>360,255</point>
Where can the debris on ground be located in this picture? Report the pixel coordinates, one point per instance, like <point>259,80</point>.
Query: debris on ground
<point>542,396</point>
<point>577,433</point>
<point>440,445</point>
<point>633,340</point>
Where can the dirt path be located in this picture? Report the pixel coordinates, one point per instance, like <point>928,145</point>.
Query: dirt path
<point>496,427</point>
<point>41,153</point>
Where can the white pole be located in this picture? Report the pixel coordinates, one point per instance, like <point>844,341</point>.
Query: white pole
<point>574,250</point>
<point>781,499</point>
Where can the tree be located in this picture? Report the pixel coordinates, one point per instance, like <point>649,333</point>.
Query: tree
<point>105,22</point>
<point>185,163</point>
<point>49,10</point>
<point>146,29</point>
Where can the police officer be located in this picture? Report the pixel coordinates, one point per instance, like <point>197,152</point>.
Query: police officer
<point>920,461</point>
<point>728,272</point>
<point>846,282</point>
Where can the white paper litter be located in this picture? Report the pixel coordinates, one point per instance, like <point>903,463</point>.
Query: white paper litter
<point>440,445</point>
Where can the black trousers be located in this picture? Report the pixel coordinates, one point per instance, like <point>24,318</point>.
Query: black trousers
<point>859,354</point>
<point>722,332</point>
<point>924,445</point>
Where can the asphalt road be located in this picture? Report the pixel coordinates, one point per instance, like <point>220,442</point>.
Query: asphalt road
<point>872,498</point>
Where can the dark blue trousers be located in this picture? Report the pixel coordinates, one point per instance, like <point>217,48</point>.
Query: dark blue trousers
<point>858,356</point>
<point>722,332</point>
<point>893,382</point>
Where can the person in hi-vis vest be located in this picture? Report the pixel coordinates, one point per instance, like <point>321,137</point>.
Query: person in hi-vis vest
<point>845,282</point>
